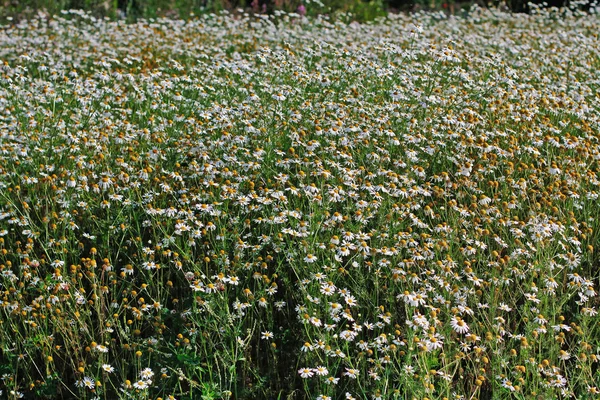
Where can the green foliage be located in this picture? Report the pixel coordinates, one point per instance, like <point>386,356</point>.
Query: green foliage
<point>347,10</point>
<point>360,10</point>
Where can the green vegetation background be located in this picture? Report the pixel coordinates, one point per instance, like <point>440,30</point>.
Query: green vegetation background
<point>133,9</point>
<point>361,10</point>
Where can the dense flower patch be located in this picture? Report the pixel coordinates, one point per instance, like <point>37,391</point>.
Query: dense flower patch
<point>276,207</point>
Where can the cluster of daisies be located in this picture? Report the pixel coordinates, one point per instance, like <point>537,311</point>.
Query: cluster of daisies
<point>251,207</point>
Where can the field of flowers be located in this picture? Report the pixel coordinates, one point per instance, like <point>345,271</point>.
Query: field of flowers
<point>281,208</point>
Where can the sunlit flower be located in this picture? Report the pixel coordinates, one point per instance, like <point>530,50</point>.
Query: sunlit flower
<point>459,325</point>
<point>141,384</point>
<point>108,368</point>
<point>310,258</point>
<point>351,373</point>
<point>306,372</point>
<point>146,374</point>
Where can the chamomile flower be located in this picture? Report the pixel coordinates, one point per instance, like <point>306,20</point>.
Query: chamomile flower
<point>101,348</point>
<point>267,335</point>
<point>458,325</point>
<point>142,384</point>
<point>146,374</point>
<point>306,372</point>
<point>310,258</point>
<point>351,373</point>
<point>108,368</point>
<point>88,382</point>
<point>332,380</point>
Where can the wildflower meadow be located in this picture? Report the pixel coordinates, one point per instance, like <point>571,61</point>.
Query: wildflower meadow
<point>280,207</point>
